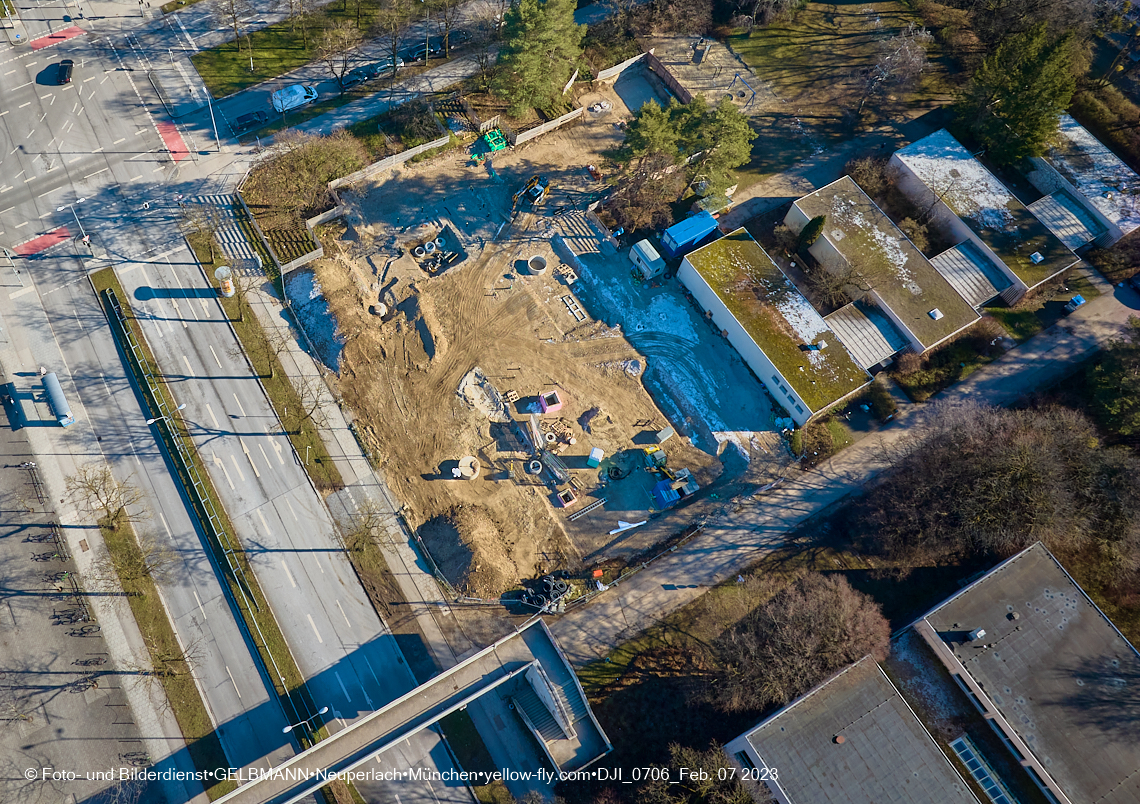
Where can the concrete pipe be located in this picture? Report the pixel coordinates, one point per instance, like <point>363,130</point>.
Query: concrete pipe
<point>429,247</point>
<point>537,264</point>
<point>418,251</point>
<point>534,467</point>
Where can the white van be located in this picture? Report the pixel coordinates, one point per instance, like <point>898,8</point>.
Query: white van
<point>292,97</point>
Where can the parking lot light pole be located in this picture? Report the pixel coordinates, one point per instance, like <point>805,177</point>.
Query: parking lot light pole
<point>71,206</point>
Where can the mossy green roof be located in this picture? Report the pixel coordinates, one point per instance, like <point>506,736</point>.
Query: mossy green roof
<point>987,207</point>
<point>903,279</point>
<point>779,319</point>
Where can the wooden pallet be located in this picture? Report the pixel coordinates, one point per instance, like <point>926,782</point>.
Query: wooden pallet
<point>574,308</point>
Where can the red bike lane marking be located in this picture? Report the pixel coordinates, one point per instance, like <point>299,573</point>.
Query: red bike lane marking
<point>57,37</point>
<point>173,140</point>
<point>43,242</point>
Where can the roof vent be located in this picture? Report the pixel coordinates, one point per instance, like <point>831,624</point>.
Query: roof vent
<point>936,314</point>
<point>1037,258</point>
<point>822,345</point>
<point>977,633</point>
<point>839,739</point>
<point>1014,615</point>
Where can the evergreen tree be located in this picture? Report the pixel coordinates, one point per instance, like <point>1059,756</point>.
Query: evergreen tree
<point>1014,98</point>
<point>542,45</point>
<point>1115,383</point>
<point>812,230</point>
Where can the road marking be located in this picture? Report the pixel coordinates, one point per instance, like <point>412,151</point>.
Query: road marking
<point>70,125</point>
<point>237,467</point>
<point>231,675</point>
<point>98,150</point>
<point>23,85</point>
<point>243,413</point>
<point>294,513</point>
<point>22,292</point>
<point>5,189</point>
<point>9,209</point>
<point>121,139</point>
<point>263,455</point>
<point>370,670</point>
<point>76,159</point>
<point>22,105</point>
<point>158,170</point>
<point>165,526</point>
<point>140,132</point>
<point>289,575</point>
<point>190,371</point>
<point>30,178</point>
<point>318,633</point>
<point>343,688</point>
<point>25,223</point>
<point>9,72</point>
<point>280,460</point>
<point>245,449</point>
<point>342,614</point>
<point>318,562</point>
<point>205,307</point>
<point>215,354</point>
<point>186,33</point>
<point>96,173</point>
<point>213,418</point>
<point>218,462</point>
<point>178,312</point>
<point>200,607</point>
<point>92,78</point>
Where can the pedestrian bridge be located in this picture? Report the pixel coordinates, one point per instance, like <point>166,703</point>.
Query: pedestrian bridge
<point>527,668</point>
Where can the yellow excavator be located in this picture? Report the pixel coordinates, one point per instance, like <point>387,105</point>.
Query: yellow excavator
<point>534,191</point>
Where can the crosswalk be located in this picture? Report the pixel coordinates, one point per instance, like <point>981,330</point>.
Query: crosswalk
<point>229,234</point>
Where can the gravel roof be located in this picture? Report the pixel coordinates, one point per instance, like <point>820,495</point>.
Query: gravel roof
<point>1099,174</point>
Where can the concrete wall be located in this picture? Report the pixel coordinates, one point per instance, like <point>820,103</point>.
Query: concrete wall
<point>1048,180</point>
<point>753,355</point>
<point>916,190</point>
<point>618,69</point>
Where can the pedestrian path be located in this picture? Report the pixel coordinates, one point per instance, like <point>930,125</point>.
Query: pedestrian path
<point>236,246</point>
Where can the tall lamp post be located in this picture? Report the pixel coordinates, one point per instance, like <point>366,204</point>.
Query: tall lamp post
<point>167,417</point>
<point>290,728</point>
<point>71,206</point>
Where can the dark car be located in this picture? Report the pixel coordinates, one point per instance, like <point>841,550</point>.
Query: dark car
<point>416,53</point>
<point>251,120</point>
<point>64,74</point>
<point>354,78</point>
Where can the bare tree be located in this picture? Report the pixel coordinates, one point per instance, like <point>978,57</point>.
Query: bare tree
<point>267,349</point>
<point>203,222</point>
<point>16,705</point>
<point>391,25</point>
<point>368,526</point>
<point>124,791</point>
<point>711,780</point>
<point>232,13</point>
<point>812,628</point>
<point>901,62</point>
<point>148,557</point>
<point>311,392</point>
<point>98,493</point>
<point>338,46</point>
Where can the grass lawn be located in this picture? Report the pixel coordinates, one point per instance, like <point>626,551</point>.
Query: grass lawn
<point>473,756</point>
<point>272,649</point>
<point>1044,308</point>
<point>810,63</point>
<point>301,431</point>
<point>177,682</point>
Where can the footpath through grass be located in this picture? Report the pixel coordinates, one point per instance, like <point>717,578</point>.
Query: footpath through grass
<point>175,676</point>
<point>271,644</point>
<point>277,48</point>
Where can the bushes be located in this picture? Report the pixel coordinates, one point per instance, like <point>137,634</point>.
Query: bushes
<point>811,232</point>
<point>883,405</point>
<point>1112,118</point>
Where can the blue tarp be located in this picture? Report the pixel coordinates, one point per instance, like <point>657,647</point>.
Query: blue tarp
<point>664,494</point>
<point>688,232</point>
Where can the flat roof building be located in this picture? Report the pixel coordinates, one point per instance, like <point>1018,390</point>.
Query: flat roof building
<point>937,173</point>
<point>851,740</point>
<point>1080,172</point>
<point>1050,672</point>
<point>858,235</point>
<point>781,337</point>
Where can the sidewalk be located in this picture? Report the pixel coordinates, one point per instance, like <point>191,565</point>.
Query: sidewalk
<point>739,537</point>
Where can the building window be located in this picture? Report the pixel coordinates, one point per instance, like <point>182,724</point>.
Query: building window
<point>776,379</point>
<point>799,409</point>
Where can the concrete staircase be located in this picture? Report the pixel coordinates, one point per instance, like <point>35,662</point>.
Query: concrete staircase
<point>528,703</point>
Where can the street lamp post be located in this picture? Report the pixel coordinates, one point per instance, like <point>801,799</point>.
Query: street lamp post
<point>290,728</point>
<point>160,418</point>
<point>71,206</point>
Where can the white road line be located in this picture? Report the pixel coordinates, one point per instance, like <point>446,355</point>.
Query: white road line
<point>23,292</point>
<point>165,526</point>
<point>213,418</point>
<point>23,85</point>
<point>73,108</point>
<point>9,72</point>
<point>289,575</point>
<point>243,413</point>
<point>98,150</point>
<point>237,467</point>
<point>92,78</point>
<point>96,173</point>
<point>231,675</point>
<point>250,457</point>
<point>158,170</point>
<point>342,614</point>
<point>200,607</point>
<point>318,563</point>
<point>189,370</point>
<point>140,132</point>
<point>294,513</point>
<point>343,688</point>
<point>178,312</point>
<point>104,80</point>
<point>222,466</point>
<point>121,139</point>
<point>20,225</point>
<point>186,33</point>
<point>265,525</point>
<point>280,458</point>
<point>135,178</point>
<point>215,354</point>
<point>318,633</point>
<point>76,159</point>
<point>205,307</point>
<point>22,105</point>
<point>263,455</point>
<point>370,669</point>
<point>69,126</point>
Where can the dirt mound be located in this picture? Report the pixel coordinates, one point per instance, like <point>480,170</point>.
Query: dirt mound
<point>467,546</point>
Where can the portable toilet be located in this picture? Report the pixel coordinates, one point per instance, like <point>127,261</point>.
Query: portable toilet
<point>595,458</point>
<point>646,259</point>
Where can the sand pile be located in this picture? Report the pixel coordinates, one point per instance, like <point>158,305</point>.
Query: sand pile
<point>466,544</point>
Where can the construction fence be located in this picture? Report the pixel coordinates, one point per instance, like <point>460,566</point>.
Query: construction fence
<point>667,78</point>
<point>550,125</point>
<point>618,69</point>
<point>388,162</point>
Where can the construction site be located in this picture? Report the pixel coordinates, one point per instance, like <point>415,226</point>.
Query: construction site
<point>510,419</point>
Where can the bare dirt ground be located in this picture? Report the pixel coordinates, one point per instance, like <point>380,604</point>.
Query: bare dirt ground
<point>402,372</point>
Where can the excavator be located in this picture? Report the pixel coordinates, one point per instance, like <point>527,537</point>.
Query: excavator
<point>534,191</point>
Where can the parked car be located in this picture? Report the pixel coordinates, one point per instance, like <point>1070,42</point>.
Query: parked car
<point>250,120</point>
<point>64,74</point>
<point>382,67</point>
<point>354,78</point>
<point>292,97</point>
<point>416,53</point>
<point>1074,303</point>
